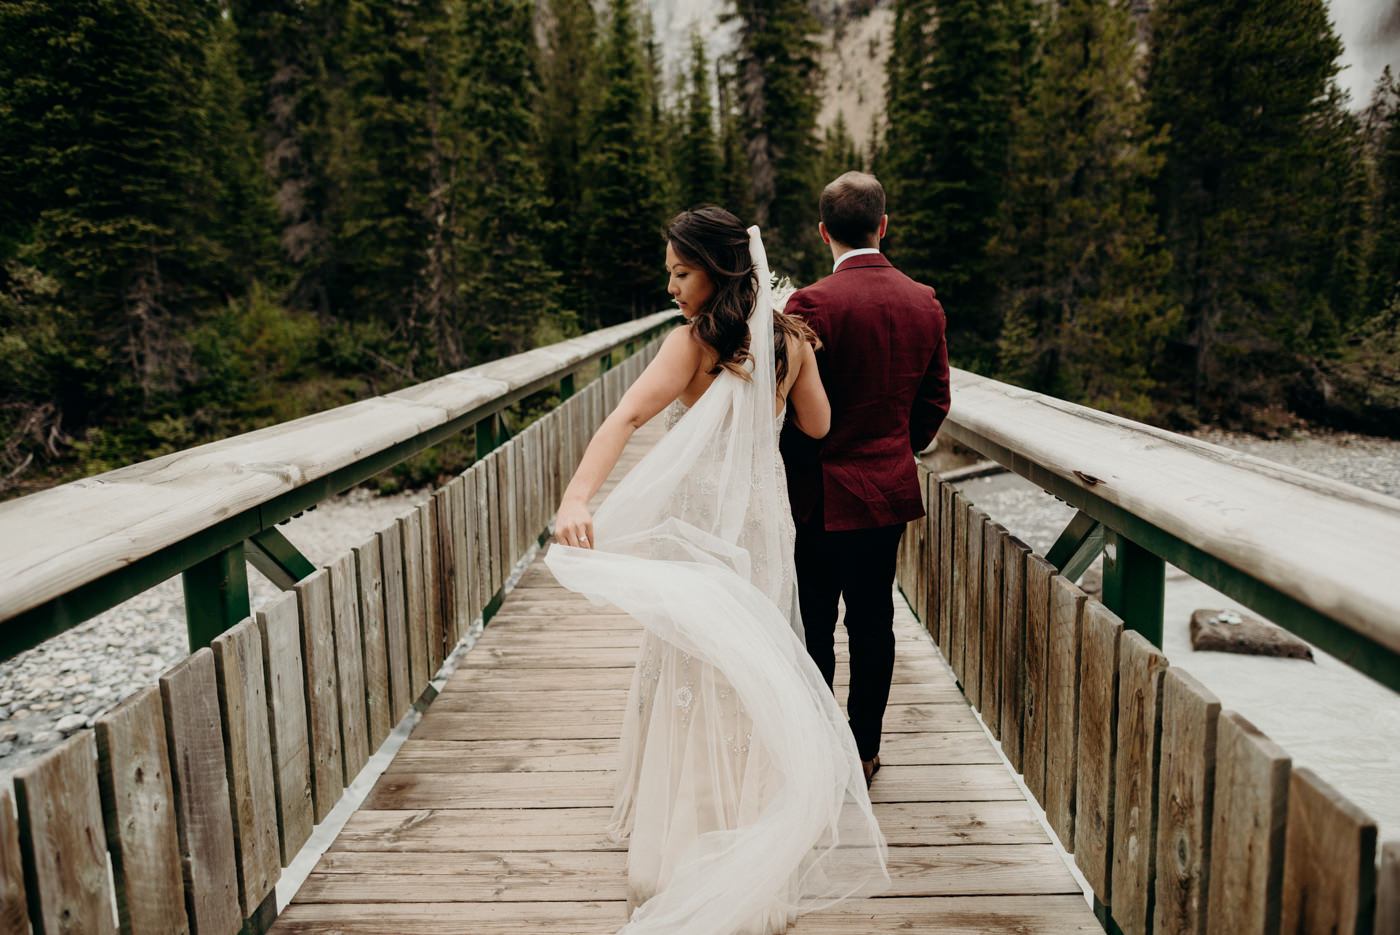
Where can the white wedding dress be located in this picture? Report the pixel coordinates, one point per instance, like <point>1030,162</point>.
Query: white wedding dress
<point>739,785</point>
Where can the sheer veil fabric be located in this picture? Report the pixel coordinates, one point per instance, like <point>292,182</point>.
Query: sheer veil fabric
<point>740,783</point>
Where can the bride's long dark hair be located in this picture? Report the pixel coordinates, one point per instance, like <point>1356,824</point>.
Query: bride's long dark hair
<point>717,242</point>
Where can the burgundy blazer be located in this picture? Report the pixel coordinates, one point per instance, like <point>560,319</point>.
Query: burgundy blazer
<point>884,363</point>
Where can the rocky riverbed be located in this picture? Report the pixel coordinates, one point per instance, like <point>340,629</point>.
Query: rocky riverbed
<point>59,687</point>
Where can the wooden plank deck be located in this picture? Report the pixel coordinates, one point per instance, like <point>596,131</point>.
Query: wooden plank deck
<point>491,818</point>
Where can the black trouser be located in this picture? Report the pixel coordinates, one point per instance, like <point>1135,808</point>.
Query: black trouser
<point>857,564</point>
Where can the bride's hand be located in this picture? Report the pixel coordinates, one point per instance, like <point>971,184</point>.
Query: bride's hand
<point>574,525</point>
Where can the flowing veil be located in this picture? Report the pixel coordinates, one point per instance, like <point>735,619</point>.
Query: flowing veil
<point>691,544</point>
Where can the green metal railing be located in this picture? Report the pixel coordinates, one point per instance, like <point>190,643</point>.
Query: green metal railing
<point>1147,497</point>
<point>70,553</point>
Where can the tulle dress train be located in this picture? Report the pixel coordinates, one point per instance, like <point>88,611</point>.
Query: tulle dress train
<point>739,786</point>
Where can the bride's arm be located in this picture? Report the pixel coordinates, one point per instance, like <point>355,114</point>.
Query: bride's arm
<point>674,366</point>
<point>811,410</point>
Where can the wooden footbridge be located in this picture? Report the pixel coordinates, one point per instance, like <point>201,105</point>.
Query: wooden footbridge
<point>1017,698</point>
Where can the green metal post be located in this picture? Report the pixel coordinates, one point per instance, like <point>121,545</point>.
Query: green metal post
<point>605,362</point>
<point>216,595</point>
<point>485,436</point>
<point>566,387</point>
<point>1134,586</point>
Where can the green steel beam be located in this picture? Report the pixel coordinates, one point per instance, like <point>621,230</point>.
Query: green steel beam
<point>216,595</point>
<point>1134,586</point>
<point>1077,547</point>
<point>278,560</point>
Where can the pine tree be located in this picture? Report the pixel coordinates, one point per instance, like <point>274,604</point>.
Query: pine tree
<point>779,75</point>
<point>624,207</point>
<point>955,70</point>
<point>699,168</point>
<point>508,285</point>
<point>106,168</point>
<point>1245,88</point>
<point>839,150</point>
<point>289,52</point>
<point>736,175</point>
<point>568,96</point>
<point>1083,267</point>
<point>1383,143</point>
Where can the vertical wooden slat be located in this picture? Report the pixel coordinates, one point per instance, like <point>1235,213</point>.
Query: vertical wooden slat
<point>481,554</point>
<point>972,584</point>
<point>1039,572</point>
<point>395,622</point>
<point>138,808</point>
<point>322,693</point>
<point>455,559</point>
<point>14,908</point>
<point>1247,830</point>
<point>947,538</point>
<point>287,730</point>
<point>992,551</point>
<point>350,666</point>
<point>1098,732</point>
<point>1185,798</point>
<point>62,844</point>
<point>416,602</point>
<point>432,585</point>
<point>447,570</point>
<point>1329,863</point>
<point>468,564</point>
<point>369,573</point>
<point>493,521</point>
<point>535,497</point>
<point>1013,643</point>
<point>238,658</point>
<point>957,627</point>
<point>189,692</point>
<point>1140,671</point>
<point>1388,890</point>
<point>1062,661</point>
<point>924,577</point>
<point>933,493</point>
<point>461,558</point>
<point>520,480</point>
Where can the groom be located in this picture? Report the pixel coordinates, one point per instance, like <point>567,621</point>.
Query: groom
<point>884,363</point>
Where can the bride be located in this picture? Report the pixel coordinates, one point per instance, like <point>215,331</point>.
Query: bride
<point>740,787</point>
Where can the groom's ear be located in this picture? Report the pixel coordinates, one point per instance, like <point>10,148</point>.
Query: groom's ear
<point>826,238</point>
<point>884,223</point>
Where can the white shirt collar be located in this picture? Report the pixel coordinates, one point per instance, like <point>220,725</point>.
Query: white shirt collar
<point>860,251</point>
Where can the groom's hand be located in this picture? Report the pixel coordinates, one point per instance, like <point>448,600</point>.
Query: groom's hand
<point>574,525</point>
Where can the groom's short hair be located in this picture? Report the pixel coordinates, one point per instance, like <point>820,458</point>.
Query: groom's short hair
<point>851,207</point>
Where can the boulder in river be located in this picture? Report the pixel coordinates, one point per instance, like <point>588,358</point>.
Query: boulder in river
<point>1228,631</point>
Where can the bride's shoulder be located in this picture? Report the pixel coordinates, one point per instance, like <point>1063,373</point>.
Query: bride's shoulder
<point>684,345</point>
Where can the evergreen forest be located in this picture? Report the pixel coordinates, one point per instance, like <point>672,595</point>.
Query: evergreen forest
<point>217,215</point>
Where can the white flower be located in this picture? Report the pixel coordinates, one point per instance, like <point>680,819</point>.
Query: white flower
<point>684,697</point>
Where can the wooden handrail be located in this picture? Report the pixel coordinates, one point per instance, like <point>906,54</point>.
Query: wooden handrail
<point>72,551</point>
<point>1252,528</point>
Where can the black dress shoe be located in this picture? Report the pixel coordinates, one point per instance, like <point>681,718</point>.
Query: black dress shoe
<point>871,767</point>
